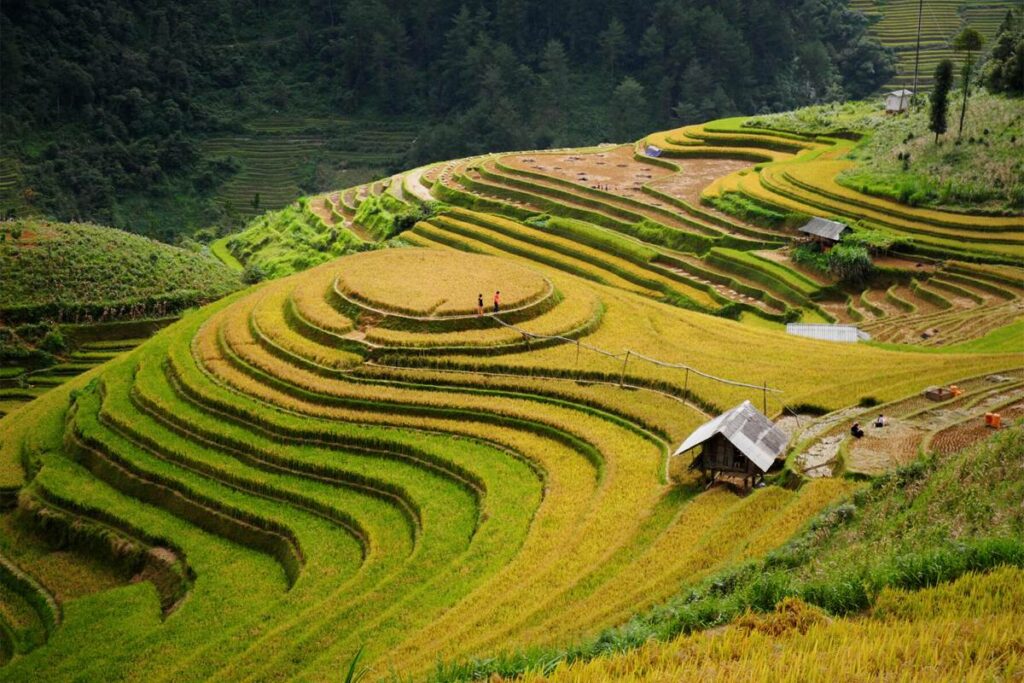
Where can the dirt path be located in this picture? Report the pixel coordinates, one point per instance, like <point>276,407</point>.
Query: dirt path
<point>415,187</point>
<point>316,205</point>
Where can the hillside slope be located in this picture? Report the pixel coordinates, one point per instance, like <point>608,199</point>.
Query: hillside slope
<point>76,294</point>
<point>300,435</point>
<point>880,562</point>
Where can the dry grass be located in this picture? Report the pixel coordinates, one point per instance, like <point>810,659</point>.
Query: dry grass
<point>441,283</point>
<point>966,631</point>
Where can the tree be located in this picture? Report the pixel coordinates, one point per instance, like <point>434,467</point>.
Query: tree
<point>969,41</point>
<point>628,105</point>
<point>940,97</point>
<point>613,43</point>
<point>554,83</point>
<point>1004,69</point>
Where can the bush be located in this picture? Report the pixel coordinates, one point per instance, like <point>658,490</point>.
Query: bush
<point>810,256</point>
<point>850,263</point>
<point>253,273</point>
<point>54,341</point>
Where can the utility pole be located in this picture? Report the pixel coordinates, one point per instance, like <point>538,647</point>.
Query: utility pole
<point>917,51</point>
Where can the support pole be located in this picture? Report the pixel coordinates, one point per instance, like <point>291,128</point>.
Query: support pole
<point>765,395</point>
<point>577,360</point>
<point>917,51</point>
<point>622,375</point>
<point>686,385</point>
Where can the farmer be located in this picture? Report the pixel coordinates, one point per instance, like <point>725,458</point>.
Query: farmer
<point>480,304</point>
<point>856,431</point>
<point>880,421</point>
<point>497,301</point>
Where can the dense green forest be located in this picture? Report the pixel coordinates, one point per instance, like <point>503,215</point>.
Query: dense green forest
<point>106,103</point>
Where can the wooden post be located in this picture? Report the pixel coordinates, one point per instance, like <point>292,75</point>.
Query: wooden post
<point>622,375</point>
<point>917,53</point>
<point>686,385</point>
<point>577,360</point>
<point>765,395</point>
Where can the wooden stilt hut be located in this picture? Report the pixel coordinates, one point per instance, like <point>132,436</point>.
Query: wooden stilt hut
<point>738,446</point>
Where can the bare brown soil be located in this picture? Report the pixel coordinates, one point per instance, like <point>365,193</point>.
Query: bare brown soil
<point>905,264</point>
<point>613,170</point>
<point>697,174</point>
<point>883,449</point>
<point>316,205</point>
<point>966,434</point>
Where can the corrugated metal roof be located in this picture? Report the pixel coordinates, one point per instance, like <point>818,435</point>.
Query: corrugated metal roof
<point>835,333</point>
<point>652,151</point>
<point>822,227</point>
<point>902,93</point>
<point>748,430</point>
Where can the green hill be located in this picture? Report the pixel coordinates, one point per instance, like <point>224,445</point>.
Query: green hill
<point>78,294</point>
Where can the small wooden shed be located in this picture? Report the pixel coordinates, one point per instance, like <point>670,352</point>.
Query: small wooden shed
<point>740,445</point>
<point>825,232</point>
<point>898,101</point>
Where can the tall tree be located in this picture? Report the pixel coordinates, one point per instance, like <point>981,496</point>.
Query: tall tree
<point>612,42</point>
<point>969,41</point>
<point>940,97</point>
<point>1004,69</point>
<point>628,104</point>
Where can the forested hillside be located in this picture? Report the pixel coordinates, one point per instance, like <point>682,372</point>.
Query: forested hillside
<point>109,106</point>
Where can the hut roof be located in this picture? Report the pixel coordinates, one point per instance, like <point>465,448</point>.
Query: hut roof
<point>824,228</point>
<point>748,430</point>
<point>903,92</point>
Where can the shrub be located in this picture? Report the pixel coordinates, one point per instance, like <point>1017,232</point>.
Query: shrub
<point>54,341</point>
<point>850,263</point>
<point>810,256</point>
<point>253,273</point>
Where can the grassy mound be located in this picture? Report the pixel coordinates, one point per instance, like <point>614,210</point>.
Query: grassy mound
<point>76,295</point>
<point>70,272</point>
<point>438,284</point>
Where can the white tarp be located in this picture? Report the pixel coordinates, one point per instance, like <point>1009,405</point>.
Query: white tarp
<point>834,333</point>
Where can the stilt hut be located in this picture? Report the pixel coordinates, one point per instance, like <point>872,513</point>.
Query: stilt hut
<point>739,446</point>
<point>824,232</point>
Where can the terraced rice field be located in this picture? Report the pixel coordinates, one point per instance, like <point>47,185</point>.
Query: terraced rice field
<point>353,457</point>
<point>10,184</point>
<point>802,183</point>
<point>894,23</point>
<point>276,154</point>
<point>438,500</point>
<point>440,497</point>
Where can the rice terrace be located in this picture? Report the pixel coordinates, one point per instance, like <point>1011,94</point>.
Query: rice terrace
<point>609,341</point>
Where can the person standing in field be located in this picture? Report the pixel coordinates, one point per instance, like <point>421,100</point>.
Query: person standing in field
<point>479,304</point>
<point>497,301</point>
